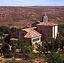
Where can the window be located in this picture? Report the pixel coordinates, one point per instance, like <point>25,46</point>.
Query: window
<point>35,39</point>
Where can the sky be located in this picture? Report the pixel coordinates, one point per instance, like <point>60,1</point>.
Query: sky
<point>31,2</point>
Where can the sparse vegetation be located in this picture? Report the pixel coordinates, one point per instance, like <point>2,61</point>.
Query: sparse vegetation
<point>52,52</point>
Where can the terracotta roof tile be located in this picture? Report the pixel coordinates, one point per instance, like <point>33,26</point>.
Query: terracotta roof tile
<point>31,33</point>
<point>47,23</point>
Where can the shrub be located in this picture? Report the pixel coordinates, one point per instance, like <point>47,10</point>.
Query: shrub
<point>8,55</point>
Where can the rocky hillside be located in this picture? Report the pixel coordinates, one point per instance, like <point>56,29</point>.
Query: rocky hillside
<point>33,14</point>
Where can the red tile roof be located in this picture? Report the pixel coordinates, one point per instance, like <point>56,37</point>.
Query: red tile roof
<point>31,33</point>
<point>47,23</point>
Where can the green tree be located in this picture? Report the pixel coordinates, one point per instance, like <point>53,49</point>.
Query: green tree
<point>4,29</point>
<point>1,37</point>
<point>27,50</point>
<point>55,58</point>
<point>55,44</point>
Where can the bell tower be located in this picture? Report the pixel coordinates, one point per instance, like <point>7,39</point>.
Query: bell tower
<point>45,18</point>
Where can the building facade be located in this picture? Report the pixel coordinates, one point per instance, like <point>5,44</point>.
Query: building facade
<point>35,35</point>
<point>29,36</point>
<point>47,29</point>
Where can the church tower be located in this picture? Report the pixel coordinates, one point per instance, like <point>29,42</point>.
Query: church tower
<point>45,18</point>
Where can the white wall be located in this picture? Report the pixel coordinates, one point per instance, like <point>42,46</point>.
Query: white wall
<point>36,41</point>
<point>54,31</point>
<point>53,35</point>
